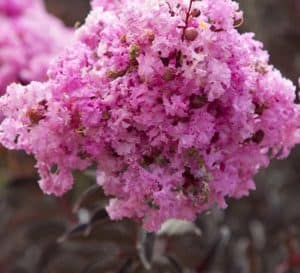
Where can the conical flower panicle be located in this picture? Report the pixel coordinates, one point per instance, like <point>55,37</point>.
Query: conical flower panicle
<point>177,109</point>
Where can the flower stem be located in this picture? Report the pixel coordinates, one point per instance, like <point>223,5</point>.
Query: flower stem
<point>187,19</point>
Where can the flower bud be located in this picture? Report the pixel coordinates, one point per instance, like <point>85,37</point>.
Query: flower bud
<point>169,74</point>
<point>191,34</point>
<point>195,12</point>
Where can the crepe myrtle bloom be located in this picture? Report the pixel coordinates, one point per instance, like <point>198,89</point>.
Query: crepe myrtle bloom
<point>174,106</point>
<point>107,4</point>
<point>29,39</point>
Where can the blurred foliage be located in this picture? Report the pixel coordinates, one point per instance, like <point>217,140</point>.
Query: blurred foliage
<point>70,11</point>
<point>43,234</point>
<point>276,23</point>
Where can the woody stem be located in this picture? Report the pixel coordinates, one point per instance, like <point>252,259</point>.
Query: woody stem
<point>187,19</point>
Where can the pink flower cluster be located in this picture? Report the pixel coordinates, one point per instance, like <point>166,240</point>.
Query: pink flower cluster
<point>176,109</point>
<point>29,39</point>
<point>107,4</point>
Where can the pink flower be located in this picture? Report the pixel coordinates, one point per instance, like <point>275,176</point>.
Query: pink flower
<point>29,39</point>
<point>107,4</point>
<point>176,122</point>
